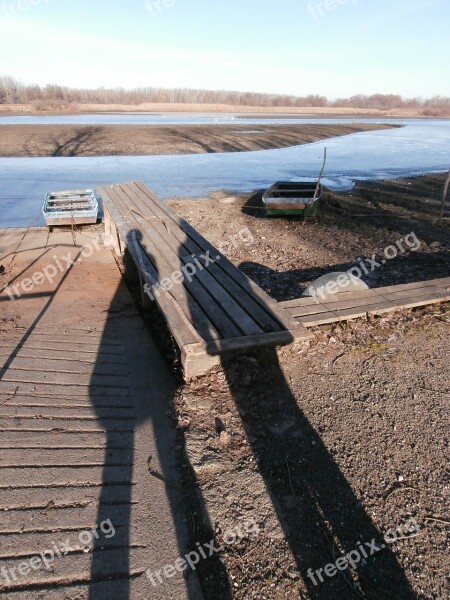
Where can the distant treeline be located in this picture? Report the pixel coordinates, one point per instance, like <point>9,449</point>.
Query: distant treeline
<point>55,96</point>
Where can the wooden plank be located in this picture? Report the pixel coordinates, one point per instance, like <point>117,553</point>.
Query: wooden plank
<point>263,299</point>
<point>53,439</point>
<point>87,424</point>
<point>74,339</point>
<point>106,332</point>
<point>72,570</point>
<point>91,358</point>
<point>31,544</point>
<point>44,405</point>
<point>67,366</point>
<point>60,391</point>
<point>198,360</point>
<point>166,262</point>
<point>19,410</point>
<point>55,457</point>
<point>31,520</point>
<point>37,345</point>
<point>397,298</point>
<point>376,308</point>
<point>168,304</point>
<point>107,381</point>
<point>357,294</point>
<point>251,342</point>
<point>63,475</point>
<point>22,497</point>
<point>244,298</point>
<point>334,306</point>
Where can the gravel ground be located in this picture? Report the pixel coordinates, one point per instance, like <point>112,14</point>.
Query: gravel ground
<point>330,445</point>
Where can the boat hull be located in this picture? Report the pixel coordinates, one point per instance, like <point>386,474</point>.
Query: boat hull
<point>293,199</point>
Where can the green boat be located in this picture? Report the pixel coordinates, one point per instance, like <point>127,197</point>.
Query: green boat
<point>293,199</point>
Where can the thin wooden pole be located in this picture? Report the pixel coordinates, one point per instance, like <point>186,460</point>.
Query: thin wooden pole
<point>444,196</point>
<point>316,193</point>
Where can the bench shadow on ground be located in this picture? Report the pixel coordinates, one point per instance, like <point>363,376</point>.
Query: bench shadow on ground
<point>320,514</point>
<point>289,285</point>
<point>113,563</point>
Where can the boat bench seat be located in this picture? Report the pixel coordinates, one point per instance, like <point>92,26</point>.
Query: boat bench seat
<point>211,307</point>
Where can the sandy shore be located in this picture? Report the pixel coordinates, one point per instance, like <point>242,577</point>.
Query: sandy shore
<point>69,140</point>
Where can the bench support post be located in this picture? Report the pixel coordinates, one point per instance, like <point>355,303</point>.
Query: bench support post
<point>196,362</point>
<point>112,238</point>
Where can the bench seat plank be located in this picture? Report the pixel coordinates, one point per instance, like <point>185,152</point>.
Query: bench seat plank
<point>170,308</point>
<point>246,285</point>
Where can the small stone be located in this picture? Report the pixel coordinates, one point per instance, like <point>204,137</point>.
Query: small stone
<point>225,438</point>
<point>435,245</point>
<point>401,478</point>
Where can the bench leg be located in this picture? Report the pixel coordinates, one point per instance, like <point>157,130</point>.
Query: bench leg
<point>196,361</point>
<point>112,238</point>
<point>108,241</point>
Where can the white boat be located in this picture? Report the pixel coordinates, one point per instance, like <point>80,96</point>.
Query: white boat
<point>72,207</point>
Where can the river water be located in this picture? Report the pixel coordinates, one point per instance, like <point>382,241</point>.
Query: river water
<point>420,146</point>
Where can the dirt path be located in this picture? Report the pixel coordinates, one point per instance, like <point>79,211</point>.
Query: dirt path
<point>69,140</point>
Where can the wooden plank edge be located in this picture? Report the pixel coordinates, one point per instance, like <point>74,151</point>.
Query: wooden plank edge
<point>327,318</point>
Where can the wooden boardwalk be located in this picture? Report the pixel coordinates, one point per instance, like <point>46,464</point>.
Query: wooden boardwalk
<point>351,305</point>
<point>82,393</point>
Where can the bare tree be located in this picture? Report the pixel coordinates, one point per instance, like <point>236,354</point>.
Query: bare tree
<point>56,96</point>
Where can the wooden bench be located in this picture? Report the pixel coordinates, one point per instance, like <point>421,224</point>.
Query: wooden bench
<point>211,307</point>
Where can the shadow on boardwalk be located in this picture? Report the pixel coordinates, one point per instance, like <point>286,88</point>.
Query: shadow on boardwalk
<point>121,414</point>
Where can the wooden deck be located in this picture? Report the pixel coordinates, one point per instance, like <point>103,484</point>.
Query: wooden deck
<point>83,390</point>
<point>215,311</point>
<point>351,305</point>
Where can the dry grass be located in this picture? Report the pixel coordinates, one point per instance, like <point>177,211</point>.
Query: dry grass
<point>213,108</point>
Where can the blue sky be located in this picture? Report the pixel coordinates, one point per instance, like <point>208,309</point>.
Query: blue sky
<point>330,47</point>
